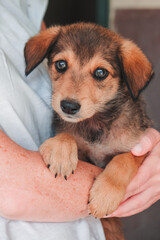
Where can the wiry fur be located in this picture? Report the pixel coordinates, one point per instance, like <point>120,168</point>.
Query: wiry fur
<point>111,119</point>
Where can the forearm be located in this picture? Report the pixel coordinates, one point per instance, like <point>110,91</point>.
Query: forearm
<point>28,190</point>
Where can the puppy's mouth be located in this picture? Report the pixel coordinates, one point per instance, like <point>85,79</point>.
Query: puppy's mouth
<point>70,118</point>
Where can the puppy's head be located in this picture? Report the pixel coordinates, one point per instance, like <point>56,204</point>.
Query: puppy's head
<point>88,64</point>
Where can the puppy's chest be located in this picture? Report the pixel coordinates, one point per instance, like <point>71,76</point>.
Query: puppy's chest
<point>98,143</point>
<point>101,149</point>
<point>98,153</point>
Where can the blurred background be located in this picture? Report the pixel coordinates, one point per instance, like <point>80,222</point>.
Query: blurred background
<point>137,20</point>
<point>127,17</point>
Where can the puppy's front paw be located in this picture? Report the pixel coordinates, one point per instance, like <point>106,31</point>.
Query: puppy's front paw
<point>105,196</point>
<point>60,154</point>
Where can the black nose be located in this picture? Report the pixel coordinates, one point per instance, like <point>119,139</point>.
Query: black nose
<point>70,106</point>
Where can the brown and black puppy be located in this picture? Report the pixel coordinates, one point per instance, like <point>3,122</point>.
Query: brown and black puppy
<point>97,77</point>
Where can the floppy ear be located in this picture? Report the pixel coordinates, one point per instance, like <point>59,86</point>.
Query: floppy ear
<point>38,47</point>
<point>136,69</point>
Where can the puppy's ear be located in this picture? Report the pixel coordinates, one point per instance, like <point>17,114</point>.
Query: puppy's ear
<point>38,47</point>
<point>136,69</point>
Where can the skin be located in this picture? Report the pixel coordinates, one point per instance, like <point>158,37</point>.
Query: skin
<point>30,192</point>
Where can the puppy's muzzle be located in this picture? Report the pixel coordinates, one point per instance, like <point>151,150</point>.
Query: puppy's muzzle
<point>70,107</point>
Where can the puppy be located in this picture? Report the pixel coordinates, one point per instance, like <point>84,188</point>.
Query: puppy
<point>97,77</point>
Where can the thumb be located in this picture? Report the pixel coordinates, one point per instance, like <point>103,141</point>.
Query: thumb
<point>150,138</point>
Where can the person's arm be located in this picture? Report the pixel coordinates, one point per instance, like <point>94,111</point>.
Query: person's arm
<point>29,191</point>
<point>144,189</point>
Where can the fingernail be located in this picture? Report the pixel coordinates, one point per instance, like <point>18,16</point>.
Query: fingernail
<point>137,149</point>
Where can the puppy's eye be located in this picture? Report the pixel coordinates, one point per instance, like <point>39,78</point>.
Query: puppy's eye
<point>61,66</point>
<point>100,74</point>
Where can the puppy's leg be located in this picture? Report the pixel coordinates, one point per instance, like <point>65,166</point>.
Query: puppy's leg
<point>110,186</point>
<point>60,154</point>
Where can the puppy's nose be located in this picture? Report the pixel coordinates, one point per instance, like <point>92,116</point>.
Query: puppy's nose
<point>70,106</point>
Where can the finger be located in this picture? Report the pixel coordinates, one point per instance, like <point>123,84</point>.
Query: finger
<point>148,141</point>
<point>136,187</point>
<point>138,210</point>
<point>147,172</point>
<point>136,204</point>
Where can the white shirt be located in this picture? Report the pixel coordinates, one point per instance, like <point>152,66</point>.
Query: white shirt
<point>26,114</point>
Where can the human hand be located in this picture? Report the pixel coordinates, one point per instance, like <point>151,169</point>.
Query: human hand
<point>144,189</point>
